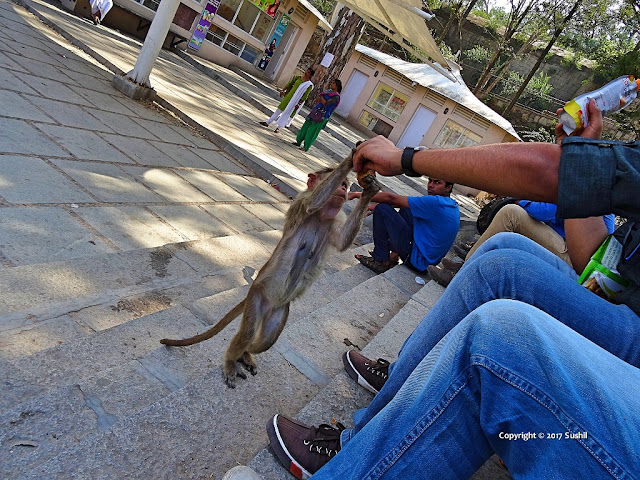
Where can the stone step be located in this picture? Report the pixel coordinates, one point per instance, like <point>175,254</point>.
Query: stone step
<point>48,304</point>
<point>343,396</point>
<point>85,355</point>
<point>202,427</point>
<point>95,400</point>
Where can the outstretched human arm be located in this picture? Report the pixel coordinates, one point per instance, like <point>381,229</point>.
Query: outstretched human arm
<point>392,199</point>
<point>523,170</point>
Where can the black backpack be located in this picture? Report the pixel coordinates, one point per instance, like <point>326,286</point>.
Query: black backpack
<point>628,235</point>
<point>485,217</point>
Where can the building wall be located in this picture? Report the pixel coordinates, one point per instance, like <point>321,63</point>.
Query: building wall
<point>444,108</point>
<point>134,18</point>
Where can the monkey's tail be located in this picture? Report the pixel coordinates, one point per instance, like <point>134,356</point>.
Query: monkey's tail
<point>217,328</point>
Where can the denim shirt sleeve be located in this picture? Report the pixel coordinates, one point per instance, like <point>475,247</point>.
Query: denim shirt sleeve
<point>597,177</point>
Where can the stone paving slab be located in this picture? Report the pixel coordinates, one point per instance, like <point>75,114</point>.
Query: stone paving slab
<point>238,216</point>
<point>61,285</point>
<point>69,115</point>
<point>11,81</point>
<point>6,62</point>
<point>183,156</point>
<point>54,90</point>
<point>14,105</point>
<point>123,124</point>
<point>69,363</point>
<point>109,100</point>
<point>46,234</point>
<point>167,184</point>
<point>191,221</point>
<point>212,185</point>
<point>83,144</point>
<point>107,182</point>
<point>267,213</point>
<point>130,227</point>
<point>35,180</point>
<point>141,151</point>
<point>17,136</point>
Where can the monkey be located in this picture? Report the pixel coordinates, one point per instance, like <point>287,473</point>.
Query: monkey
<point>297,260</point>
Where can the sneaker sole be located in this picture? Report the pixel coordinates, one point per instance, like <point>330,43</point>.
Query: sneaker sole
<point>353,373</point>
<point>282,453</point>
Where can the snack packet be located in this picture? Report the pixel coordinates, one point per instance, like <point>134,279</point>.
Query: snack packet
<point>601,276</point>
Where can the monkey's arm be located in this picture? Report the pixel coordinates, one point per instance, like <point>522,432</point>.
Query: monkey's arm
<point>344,238</point>
<point>323,191</point>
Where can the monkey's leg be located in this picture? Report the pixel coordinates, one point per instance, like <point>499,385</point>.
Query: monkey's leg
<point>272,327</point>
<point>255,308</point>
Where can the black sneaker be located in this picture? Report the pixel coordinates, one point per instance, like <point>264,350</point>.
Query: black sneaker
<point>371,375</point>
<point>301,449</point>
<point>442,276</point>
<point>451,265</point>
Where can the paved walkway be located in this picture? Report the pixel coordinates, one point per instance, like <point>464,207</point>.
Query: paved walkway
<point>87,170</point>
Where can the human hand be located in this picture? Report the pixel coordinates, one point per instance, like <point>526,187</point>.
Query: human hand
<point>370,208</point>
<point>592,130</point>
<point>353,195</point>
<point>379,154</point>
<point>281,93</point>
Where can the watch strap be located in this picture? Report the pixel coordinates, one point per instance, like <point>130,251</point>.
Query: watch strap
<point>406,162</point>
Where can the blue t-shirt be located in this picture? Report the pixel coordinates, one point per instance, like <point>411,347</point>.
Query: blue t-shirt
<point>546,212</point>
<point>436,221</point>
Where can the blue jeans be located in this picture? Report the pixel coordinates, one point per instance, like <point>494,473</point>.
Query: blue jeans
<point>392,232</point>
<point>510,266</point>
<point>508,379</point>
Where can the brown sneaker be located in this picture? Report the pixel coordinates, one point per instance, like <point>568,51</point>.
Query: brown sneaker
<point>442,276</point>
<point>372,375</point>
<point>451,265</point>
<point>301,449</point>
<point>460,251</point>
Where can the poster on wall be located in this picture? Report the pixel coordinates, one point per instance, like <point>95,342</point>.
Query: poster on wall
<point>270,7</point>
<point>203,24</point>
<point>277,35</point>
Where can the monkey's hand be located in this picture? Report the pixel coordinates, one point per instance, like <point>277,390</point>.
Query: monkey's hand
<point>371,186</point>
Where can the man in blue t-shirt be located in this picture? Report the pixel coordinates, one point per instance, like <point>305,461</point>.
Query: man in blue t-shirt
<point>419,234</point>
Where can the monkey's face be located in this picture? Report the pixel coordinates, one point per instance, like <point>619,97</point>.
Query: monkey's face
<point>337,199</point>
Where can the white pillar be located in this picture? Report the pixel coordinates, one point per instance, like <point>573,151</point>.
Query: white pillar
<point>153,42</point>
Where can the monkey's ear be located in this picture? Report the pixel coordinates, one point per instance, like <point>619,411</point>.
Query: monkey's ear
<point>312,180</point>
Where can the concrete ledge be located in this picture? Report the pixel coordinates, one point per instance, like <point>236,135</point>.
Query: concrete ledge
<point>133,90</point>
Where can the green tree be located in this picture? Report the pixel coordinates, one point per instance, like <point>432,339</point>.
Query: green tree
<point>520,10</point>
<point>560,20</point>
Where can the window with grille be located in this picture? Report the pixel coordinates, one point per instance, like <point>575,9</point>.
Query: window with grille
<point>454,135</point>
<point>247,17</point>
<point>388,101</point>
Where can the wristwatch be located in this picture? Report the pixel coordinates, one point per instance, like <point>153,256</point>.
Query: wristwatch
<point>406,161</point>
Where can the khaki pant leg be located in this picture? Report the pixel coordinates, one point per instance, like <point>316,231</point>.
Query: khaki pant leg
<point>514,218</point>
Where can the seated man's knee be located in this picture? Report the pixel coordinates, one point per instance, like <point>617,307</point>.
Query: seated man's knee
<point>504,240</point>
<point>384,209</point>
<point>505,320</point>
<point>511,215</point>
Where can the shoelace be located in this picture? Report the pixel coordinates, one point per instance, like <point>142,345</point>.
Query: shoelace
<point>327,434</point>
<point>381,368</point>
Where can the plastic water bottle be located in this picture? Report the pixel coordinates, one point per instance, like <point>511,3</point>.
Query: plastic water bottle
<point>613,97</point>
